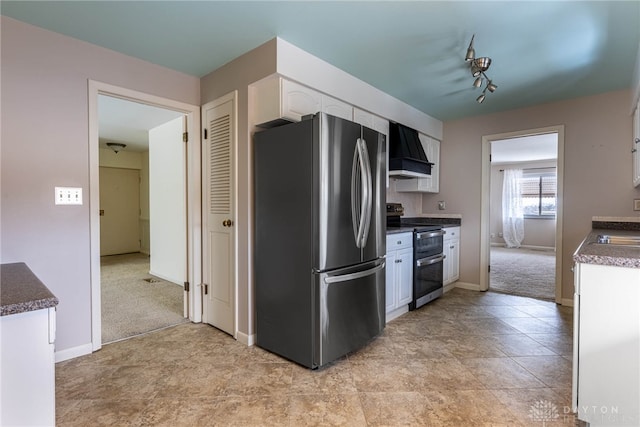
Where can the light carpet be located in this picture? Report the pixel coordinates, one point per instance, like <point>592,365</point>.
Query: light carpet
<point>525,272</point>
<point>132,305</point>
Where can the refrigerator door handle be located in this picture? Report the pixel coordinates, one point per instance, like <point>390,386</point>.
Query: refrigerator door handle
<point>354,276</point>
<point>367,194</point>
<point>360,193</point>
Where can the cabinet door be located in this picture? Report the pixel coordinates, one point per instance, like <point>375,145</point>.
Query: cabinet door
<point>337,108</point>
<point>376,123</point>
<point>404,275</point>
<point>298,101</point>
<point>454,260</point>
<point>390,286</point>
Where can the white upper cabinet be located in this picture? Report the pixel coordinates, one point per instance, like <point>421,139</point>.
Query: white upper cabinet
<point>636,146</point>
<point>431,148</point>
<point>336,108</point>
<point>277,99</point>
<point>376,123</point>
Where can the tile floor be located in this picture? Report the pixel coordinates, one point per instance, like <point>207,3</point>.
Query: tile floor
<point>466,359</point>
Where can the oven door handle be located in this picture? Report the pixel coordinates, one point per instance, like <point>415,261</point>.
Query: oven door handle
<point>430,260</point>
<point>427,234</point>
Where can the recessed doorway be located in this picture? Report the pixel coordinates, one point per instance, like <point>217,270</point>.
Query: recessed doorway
<point>486,203</point>
<point>523,215</point>
<point>187,118</point>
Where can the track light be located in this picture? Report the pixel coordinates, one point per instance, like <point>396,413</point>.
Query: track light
<point>471,53</point>
<point>478,67</point>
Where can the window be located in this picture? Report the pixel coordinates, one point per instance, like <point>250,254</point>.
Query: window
<point>538,192</point>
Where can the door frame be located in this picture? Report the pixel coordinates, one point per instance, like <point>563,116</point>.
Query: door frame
<point>485,211</point>
<point>194,220</point>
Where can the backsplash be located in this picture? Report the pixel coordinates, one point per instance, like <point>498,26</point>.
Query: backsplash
<point>412,202</point>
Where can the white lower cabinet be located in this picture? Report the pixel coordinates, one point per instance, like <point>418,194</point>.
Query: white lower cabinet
<point>399,286</point>
<point>27,388</point>
<point>606,347</point>
<point>451,250</point>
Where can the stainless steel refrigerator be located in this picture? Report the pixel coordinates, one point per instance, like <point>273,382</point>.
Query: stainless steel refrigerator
<point>320,237</point>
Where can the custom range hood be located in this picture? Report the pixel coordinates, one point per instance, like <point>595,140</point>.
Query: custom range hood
<point>406,155</point>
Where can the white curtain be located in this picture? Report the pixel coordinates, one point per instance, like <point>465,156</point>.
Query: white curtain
<point>512,212</point>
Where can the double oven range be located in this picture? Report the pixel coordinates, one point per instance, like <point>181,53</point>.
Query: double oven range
<point>427,255</point>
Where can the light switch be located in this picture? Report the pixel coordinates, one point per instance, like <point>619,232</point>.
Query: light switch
<point>68,196</point>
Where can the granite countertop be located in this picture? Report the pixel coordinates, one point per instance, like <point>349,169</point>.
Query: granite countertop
<point>590,252</point>
<point>21,291</point>
<point>448,220</point>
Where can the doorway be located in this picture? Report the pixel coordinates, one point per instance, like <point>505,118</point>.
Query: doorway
<point>485,220</point>
<point>522,215</point>
<point>159,112</point>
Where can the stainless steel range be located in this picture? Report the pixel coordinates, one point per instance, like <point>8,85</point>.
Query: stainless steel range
<point>428,259</point>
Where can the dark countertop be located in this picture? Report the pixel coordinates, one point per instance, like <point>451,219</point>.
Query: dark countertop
<point>409,229</point>
<point>21,291</point>
<point>590,252</point>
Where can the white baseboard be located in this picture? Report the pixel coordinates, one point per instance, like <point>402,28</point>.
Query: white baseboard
<point>72,353</point>
<point>448,287</point>
<point>168,279</point>
<point>469,286</point>
<point>537,248</point>
<point>245,339</point>
<point>396,313</point>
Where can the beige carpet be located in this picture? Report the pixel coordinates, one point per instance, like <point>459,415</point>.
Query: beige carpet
<point>132,305</point>
<point>525,272</point>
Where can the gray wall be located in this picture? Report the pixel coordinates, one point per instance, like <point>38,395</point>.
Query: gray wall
<point>45,144</point>
<point>597,169</point>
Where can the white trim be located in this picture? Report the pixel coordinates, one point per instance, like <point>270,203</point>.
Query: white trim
<point>245,339</point>
<point>394,314</point>
<point>448,287</point>
<point>73,352</point>
<point>194,221</point>
<point>537,248</point>
<point>469,286</point>
<point>485,202</point>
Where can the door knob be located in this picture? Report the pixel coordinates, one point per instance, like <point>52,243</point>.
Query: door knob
<point>227,223</point>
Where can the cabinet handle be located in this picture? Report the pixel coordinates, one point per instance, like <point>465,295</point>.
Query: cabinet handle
<point>637,141</point>
<point>398,260</point>
<point>399,242</point>
<point>634,150</point>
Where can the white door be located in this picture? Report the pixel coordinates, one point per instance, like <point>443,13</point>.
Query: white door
<point>219,296</point>
<point>168,202</point>
<point>119,211</point>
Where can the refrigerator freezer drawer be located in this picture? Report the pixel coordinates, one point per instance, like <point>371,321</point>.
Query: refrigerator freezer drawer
<point>352,309</point>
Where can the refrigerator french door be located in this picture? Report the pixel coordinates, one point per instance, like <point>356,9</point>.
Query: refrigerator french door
<point>319,200</point>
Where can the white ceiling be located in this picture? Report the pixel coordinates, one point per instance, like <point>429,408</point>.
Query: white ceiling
<point>525,149</point>
<point>129,122</point>
<point>542,51</point>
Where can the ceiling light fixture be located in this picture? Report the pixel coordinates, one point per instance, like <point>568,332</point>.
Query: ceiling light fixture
<point>478,67</point>
<point>116,146</point>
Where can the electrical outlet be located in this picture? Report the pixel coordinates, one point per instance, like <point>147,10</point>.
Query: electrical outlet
<point>68,196</point>
<point>442,205</point>
<point>636,204</point>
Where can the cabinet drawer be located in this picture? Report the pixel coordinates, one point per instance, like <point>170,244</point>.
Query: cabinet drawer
<point>399,241</point>
<point>451,233</point>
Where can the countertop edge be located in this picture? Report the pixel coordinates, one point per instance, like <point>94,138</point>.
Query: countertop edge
<point>21,291</point>
<point>590,253</point>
